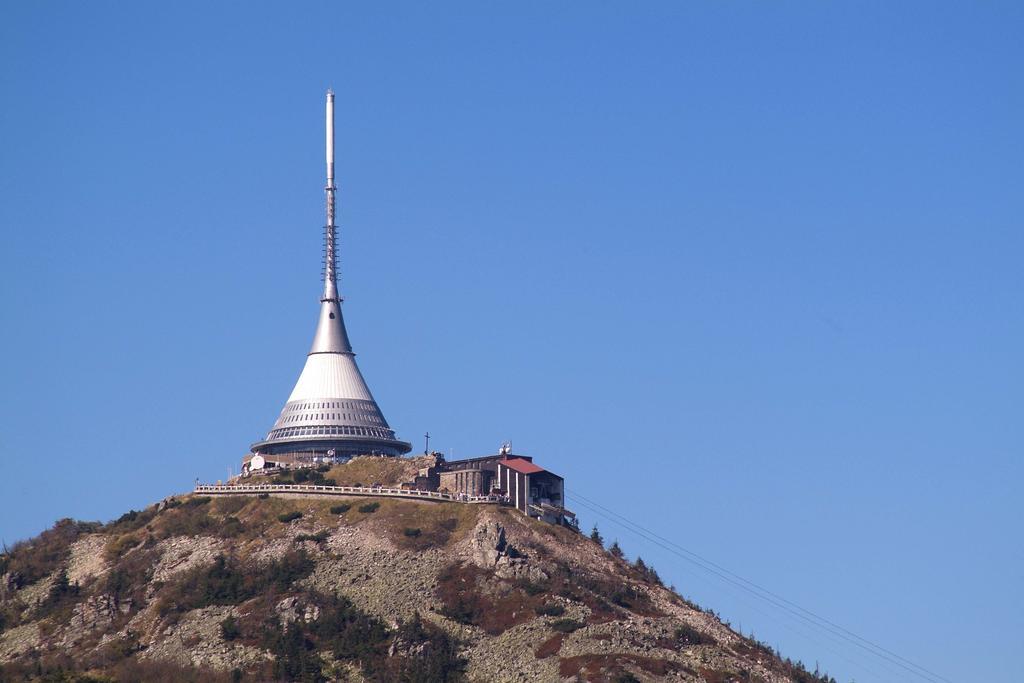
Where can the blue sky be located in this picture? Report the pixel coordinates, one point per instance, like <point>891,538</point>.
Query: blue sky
<point>747,273</point>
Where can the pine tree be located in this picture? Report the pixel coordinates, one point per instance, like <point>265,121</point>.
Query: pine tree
<point>596,537</point>
<point>615,550</point>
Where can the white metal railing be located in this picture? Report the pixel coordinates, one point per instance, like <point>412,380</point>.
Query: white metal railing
<point>349,491</point>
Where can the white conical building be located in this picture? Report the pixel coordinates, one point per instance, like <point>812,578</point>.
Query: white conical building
<point>331,410</point>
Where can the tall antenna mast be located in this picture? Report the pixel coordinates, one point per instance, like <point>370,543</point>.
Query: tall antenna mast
<point>330,379</point>
<point>330,230</point>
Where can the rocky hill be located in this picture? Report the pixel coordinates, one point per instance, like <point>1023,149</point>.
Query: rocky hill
<point>359,589</point>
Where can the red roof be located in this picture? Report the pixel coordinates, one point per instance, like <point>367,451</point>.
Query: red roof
<point>521,466</point>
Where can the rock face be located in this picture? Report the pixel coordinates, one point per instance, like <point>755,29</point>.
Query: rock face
<point>293,609</point>
<point>95,613</point>
<point>490,550</point>
<point>223,589</point>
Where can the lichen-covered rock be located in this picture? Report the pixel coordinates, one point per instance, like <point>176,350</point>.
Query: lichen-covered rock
<point>87,559</point>
<point>293,609</point>
<point>196,641</point>
<point>489,549</point>
<point>488,544</point>
<point>182,553</point>
<point>95,613</point>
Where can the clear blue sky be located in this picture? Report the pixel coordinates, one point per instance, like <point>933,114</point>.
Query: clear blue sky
<point>749,273</point>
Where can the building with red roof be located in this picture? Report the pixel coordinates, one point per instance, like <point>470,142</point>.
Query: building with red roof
<point>527,486</point>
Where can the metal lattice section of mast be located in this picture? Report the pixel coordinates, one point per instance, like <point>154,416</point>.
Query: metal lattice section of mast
<point>330,257</point>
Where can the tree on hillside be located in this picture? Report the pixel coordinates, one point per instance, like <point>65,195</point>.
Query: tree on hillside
<point>595,536</point>
<point>616,551</point>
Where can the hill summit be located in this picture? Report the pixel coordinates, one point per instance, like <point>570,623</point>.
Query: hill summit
<point>293,588</point>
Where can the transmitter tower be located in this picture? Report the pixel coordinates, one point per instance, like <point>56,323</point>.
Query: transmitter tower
<point>331,410</point>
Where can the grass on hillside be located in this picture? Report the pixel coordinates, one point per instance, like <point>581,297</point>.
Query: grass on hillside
<point>369,470</point>
<point>246,518</point>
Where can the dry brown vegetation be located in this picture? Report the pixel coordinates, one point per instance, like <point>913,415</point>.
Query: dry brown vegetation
<point>549,647</point>
<point>440,524</point>
<point>471,596</point>
<point>29,561</point>
<point>369,470</point>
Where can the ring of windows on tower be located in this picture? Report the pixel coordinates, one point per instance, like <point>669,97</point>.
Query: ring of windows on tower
<point>332,430</point>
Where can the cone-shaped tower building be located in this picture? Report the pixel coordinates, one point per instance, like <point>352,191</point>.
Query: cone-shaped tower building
<point>331,408</point>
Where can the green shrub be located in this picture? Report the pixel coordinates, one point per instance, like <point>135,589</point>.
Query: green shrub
<point>289,516</point>
<point>130,576</point>
<point>225,582</point>
<point>118,583</point>
<point>566,625</point>
<point>432,656</point>
<point>127,517</point>
<point>189,519</point>
<point>687,635</point>
<point>318,537</point>
<point>117,650</point>
<point>340,509</point>
<point>532,588</point>
<point>369,507</point>
<point>229,505</point>
<point>412,533</point>
<point>646,571</point>
<point>131,520</point>
<point>61,598</point>
<point>342,630</point>
<point>624,597</point>
<point>229,629</point>
<point>120,545</point>
<point>230,527</point>
<point>551,609</point>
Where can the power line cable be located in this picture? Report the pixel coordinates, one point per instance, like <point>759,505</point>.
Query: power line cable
<point>771,598</point>
<point>773,595</point>
<point>858,664</point>
<point>777,600</point>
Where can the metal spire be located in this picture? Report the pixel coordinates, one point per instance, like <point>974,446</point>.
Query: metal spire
<point>331,336</point>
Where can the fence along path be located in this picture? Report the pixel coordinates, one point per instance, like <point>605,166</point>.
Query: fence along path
<point>344,491</point>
